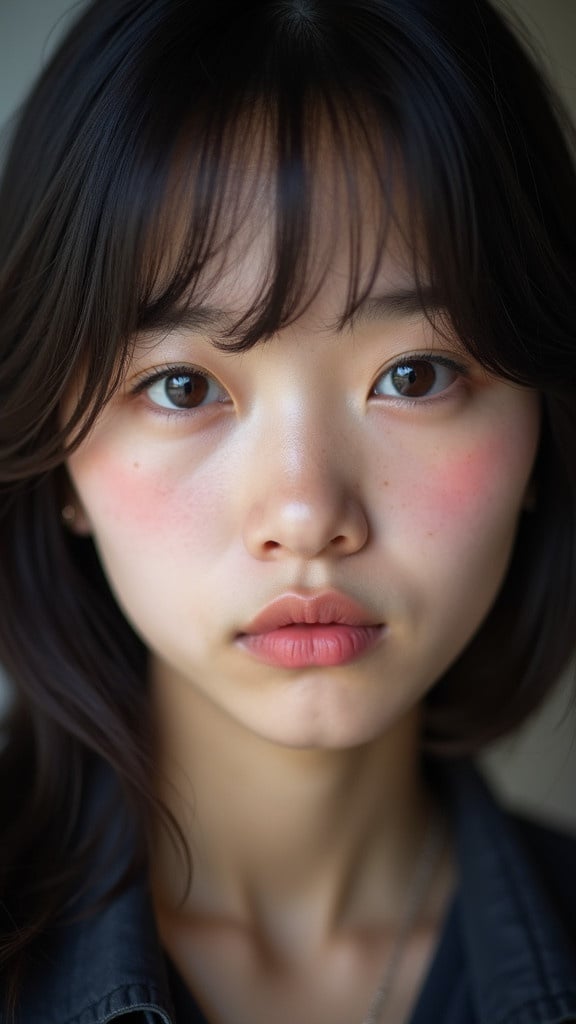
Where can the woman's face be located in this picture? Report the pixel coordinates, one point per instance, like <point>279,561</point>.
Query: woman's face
<point>379,462</point>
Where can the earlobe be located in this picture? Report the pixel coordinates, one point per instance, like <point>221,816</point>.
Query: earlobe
<point>75,519</point>
<point>73,515</point>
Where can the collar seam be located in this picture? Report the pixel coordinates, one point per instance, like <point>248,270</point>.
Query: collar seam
<point>156,1003</point>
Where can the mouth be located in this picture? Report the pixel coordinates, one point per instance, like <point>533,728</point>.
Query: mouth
<point>296,631</point>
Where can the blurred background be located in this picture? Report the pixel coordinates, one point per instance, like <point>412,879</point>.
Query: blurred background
<point>536,768</point>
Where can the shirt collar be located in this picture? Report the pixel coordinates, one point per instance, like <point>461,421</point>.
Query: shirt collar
<point>521,966</point>
<point>95,966</point>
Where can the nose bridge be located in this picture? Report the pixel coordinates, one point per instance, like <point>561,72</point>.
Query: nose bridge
<point>304,499</point>
<point>302,445</point>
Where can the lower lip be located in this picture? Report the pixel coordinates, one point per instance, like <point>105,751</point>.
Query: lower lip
<point>305,646</point>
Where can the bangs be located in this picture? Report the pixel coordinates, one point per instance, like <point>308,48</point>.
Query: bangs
<point>286,115</point>
<point>326,179</point>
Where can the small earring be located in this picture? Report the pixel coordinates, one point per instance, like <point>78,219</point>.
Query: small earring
<point>68,514</point>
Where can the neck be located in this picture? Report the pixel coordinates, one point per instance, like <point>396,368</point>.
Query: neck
<point>270,826</point>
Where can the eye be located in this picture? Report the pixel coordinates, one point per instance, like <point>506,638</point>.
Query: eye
<point>182,389</point>
<point>418,377</point>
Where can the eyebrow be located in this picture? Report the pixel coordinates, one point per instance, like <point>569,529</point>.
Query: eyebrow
<point>192,318</point>
<point>400,303</point>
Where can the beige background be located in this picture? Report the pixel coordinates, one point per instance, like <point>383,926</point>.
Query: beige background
<point>536,768</point>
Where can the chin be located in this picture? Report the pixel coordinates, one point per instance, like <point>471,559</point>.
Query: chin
<point>336,725</point>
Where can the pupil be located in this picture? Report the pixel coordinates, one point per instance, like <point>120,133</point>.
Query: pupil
<point>414,379</point>
<point>187,390</point>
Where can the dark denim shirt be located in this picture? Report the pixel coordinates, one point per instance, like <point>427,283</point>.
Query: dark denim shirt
<point>507,953</point>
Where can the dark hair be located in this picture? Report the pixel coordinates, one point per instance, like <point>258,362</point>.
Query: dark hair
<point>437,94</point>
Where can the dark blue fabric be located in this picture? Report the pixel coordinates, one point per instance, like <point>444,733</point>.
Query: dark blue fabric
<point>507,953</point>
<point>520,961</point>
<point>445,996</point>
<point>185,1007</point>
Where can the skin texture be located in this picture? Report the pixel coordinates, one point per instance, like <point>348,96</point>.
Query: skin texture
<point>301,473</point>
<point>300,481</point>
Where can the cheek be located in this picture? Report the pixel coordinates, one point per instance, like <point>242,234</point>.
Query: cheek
<point>134,502</point>
<point>482,486</point>
<point>156,528</point>
<point>461,486</point>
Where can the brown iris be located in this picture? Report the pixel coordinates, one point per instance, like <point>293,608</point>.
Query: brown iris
<point>187,390</point>
<point>414,379</point>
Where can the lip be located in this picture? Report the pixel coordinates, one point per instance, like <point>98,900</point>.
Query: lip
<point>296,631</point>
<point>331,607</point>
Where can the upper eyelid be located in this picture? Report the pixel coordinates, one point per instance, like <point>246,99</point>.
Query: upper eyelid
<point>436,357</point>
<point>141,381</point>
<point>451,362</point>
<point>462,370</point>
<point>145,379</point>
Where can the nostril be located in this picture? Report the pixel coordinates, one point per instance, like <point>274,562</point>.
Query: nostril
<point>271,545</point>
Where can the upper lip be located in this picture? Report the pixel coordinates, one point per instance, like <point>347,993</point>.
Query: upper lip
<point>329,607</point>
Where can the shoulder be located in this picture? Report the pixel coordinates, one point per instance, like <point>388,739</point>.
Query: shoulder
<point>517,904</point>
<point>506,855</point>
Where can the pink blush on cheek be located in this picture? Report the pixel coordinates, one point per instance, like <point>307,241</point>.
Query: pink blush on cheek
<point>129,493</point>
<point>462,487</point>
<point>146,498</point>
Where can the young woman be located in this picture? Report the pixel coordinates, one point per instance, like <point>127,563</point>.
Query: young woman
<point>288,443</point>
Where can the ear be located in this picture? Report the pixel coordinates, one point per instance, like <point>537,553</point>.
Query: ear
<point>75,518</point>
<point>73,515</point>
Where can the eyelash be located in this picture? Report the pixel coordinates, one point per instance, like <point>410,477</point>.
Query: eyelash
<point>462,370</point>
<point>177,370</point>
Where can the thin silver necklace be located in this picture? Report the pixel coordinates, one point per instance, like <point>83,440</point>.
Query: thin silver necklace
<point>424,870</point>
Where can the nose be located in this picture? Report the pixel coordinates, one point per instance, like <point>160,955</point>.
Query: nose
<point>304,503</point>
